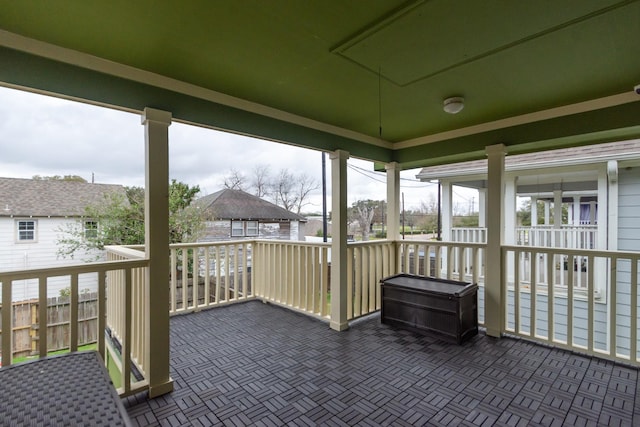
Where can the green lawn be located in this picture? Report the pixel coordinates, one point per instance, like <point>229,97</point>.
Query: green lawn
<point>53,353</point>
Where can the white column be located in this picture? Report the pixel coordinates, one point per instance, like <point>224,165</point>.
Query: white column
<point>592,212</point>
<point>339,240</point>
<point>156,125</point>
<point>509,236</point>
<point>494,292</point>
<point>612,206</point>
<point>557,208</point>
<point>534,211</point>
<point>482,207</point>
<point>447,210</point>
<point>576,210</point>
<point>547,214</point>
<point>393,201</point>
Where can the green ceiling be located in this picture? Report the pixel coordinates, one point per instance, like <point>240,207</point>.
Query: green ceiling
<point>352,67</point>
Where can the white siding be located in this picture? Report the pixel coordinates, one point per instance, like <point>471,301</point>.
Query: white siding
<point>42,252</point>
<point>629,209</point>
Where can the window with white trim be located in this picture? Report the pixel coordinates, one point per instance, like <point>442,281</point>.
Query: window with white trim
<point>244,228</point>
<point>237,229</point>
<point>26,230</point>
<point>90,229</point>
<point>252,228</point>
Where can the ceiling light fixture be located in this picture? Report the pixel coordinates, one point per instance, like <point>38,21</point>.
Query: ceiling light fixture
<point>454,104</point>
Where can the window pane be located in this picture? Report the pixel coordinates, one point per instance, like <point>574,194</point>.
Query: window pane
<point>90,229</point>
<point>237,228</point>
<point>26,230</point>
<point>252,228</point>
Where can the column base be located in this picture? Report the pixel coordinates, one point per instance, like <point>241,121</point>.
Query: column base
<point>495,333</point>
<point>160,389</point>
<point>337,326</point>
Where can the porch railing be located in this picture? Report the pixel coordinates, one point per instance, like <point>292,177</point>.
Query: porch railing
<point>567,236</point>
<point>295,275</point>
<point>367,264</point>
<point>210,274</point>
<point>446,260</point>
<point>600,317</point>
<point>122,322</point>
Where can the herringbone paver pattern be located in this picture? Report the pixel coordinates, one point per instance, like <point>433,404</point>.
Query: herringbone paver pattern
<point>256,364</point>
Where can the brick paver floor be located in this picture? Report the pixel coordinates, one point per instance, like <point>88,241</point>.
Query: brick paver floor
<point>258,364</point>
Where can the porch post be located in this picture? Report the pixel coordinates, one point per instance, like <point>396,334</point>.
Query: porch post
<point>482,207</point>
<point>576,210</point>
<point>546,213</point>
<point>493,287</point>
<point>339,320</point>
<point>557,208</point>
<point>393,201</point>
<point>447,208</point>
<point>534,211</point>
<point>156,224</point>
<point>612,205</point>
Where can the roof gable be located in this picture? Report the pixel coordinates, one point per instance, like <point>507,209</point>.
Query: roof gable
<point>239,205</point>
<point>42,198</point>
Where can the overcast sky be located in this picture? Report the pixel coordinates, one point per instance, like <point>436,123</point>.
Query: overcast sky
<point>41,135</point>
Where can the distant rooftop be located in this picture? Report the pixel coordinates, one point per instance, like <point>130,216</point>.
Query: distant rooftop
<point>567,156</point>
<point>239,205</point>
<point>43,198</point>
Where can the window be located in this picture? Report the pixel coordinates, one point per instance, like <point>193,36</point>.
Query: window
<point>237,228</point>
<point>244,228</point>
<point>90,229</point>
<point>252,228</point>
<point>26,230</point>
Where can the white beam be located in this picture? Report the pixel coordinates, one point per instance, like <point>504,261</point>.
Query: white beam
<point>339,320</point>
<point>156,124</point>
<point>495,299</point>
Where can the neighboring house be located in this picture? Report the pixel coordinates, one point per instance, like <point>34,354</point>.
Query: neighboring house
<point>234,214</point>
<point>600,187</point>
<point>33,214</point>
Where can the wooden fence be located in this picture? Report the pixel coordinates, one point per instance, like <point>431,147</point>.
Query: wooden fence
<point>25,323</point>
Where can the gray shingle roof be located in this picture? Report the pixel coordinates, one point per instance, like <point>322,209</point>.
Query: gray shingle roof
<point>40,198</point>
<point>562,157</point>
<point>236,204</point>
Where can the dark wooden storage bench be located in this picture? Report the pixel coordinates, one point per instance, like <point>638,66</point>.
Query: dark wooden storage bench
<point>447,307</point>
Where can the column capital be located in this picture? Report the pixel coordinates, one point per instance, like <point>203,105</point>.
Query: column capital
<point>495,149</point>
<point>339,155</point>
<point>157,116</point>
<point>391,166</point>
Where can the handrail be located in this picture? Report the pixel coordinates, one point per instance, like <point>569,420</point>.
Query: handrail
<point>578,299</point>
<point>73,271</point>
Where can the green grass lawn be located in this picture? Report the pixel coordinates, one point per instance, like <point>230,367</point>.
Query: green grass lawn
<point>53,353</point>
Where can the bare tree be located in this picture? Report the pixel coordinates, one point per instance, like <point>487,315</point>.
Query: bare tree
<point>292,191</point>
<point>362,212</point>
<point>260,180</point>
<point>305,185</point>
<point>235,180</point>
<point>283,190</point>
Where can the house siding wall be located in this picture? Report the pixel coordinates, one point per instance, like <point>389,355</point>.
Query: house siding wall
<point>628,240</point>
<point>42,252</point>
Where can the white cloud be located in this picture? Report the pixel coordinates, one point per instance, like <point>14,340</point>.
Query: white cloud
<point>42,135</point>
